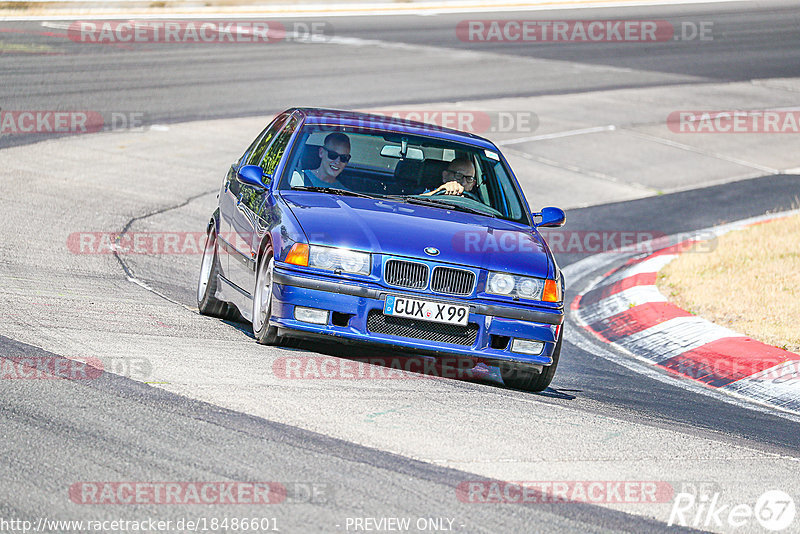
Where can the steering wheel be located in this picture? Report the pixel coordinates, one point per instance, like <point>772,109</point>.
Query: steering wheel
<point>468,194</point>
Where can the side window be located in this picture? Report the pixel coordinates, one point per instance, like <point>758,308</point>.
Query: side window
<point>260,146</point>
<point>501,192</point>
<point>251,147</point>
<point>511,199</point>
<point>275,152</point>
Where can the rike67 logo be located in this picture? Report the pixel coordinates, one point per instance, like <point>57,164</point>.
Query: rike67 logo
<point>774,510</point>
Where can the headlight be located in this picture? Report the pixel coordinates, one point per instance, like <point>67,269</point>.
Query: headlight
<point>515,286</point>
<point>530,288</point>
<point>339,259</point>
<point>500,283</point>
<point>322,258</point>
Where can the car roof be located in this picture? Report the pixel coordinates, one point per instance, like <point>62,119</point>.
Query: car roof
<point>382,122</point>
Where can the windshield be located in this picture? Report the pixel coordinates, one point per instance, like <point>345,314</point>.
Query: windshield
<point>405,168</point>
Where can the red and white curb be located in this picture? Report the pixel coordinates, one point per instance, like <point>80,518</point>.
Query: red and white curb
<point>624,307</point>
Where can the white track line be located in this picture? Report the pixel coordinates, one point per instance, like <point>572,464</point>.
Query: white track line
<point>557,135</point>
<point>349,10</point>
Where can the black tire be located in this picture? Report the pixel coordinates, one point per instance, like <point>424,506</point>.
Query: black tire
<point>520,377</point>
<point>262,304</point>
<point>207,303</point>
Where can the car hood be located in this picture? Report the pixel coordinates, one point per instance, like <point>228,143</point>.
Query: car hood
<point>401,229</point>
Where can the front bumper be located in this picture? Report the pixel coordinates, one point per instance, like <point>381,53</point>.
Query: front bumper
<point>356,315</point>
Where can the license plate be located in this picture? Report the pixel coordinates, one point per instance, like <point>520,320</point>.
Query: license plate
<point>424,310</point>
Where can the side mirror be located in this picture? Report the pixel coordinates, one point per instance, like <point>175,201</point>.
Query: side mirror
<point>252,175</point>
<point>551,218</point>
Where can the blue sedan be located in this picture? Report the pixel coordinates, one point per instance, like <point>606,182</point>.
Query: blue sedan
<point>361,228</point>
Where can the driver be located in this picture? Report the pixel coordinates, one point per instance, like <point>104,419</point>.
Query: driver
<point>458,178</point>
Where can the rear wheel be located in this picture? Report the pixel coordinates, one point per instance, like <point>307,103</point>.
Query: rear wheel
<point>207,303</point>
<point>527,379</point>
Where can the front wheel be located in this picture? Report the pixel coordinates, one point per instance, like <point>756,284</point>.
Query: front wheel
<point>518,377</point>
<point>262,301</point>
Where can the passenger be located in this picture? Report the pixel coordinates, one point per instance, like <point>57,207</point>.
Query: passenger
<point>458,178</point>
<point>334,156</point>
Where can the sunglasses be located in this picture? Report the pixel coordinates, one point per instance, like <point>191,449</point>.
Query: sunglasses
<point>461,177</point>
<point>333,155</point>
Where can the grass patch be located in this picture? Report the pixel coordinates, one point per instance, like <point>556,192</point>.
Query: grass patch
<point>16,5</point>
<point>749,283</point>
<point>23,48</point>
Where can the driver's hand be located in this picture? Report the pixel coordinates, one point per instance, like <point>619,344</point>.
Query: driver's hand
<point>450,188</point>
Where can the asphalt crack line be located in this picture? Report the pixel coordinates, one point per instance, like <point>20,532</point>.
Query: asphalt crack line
<point>129,275</point>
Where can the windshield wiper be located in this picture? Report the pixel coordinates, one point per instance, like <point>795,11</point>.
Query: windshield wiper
<point>333,191</point>
<point>443,204</point>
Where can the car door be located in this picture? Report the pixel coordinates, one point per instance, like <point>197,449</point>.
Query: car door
<point>237,252</point>
<point>246,223</point>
